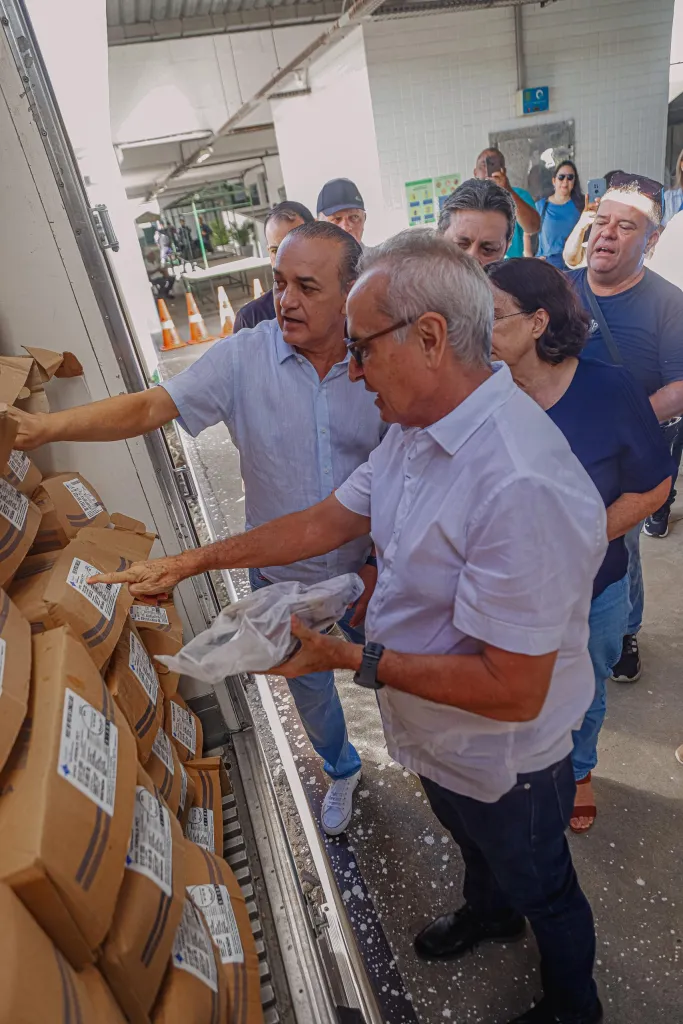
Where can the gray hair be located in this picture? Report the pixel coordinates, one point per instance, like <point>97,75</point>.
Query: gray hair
<point>427,273</point>
<point>479,194</point>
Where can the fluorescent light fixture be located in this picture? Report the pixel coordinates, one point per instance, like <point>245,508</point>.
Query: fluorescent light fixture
<point>204,154</point>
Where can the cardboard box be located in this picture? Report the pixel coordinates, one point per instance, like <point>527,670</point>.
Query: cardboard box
<point>66,799</point>
<point>21,473</point>
<point>22,378</point>
<point>133,683</point>
<point>52,589</point>
<point>165,770</point>
<point>205,820</point>
<point>36,982</point>
<point>105,1007</point>
<point>67,503</point>
<point>8,433</point>
<point>215,891</point>
<point>187,788</point>
<point>194,989</point>
<point>184,728</point>
<point>19,522</point>
<point>15,674</point>
<point>161,631</point>
<point>150,904</point>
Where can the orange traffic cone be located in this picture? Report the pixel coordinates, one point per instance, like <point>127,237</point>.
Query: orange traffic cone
<point>198,331</point>
<point>170,337</point>
<point>258,287</point>
<point>226,313</point>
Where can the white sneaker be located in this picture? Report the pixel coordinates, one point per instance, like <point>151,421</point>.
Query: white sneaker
<point>338,805</point>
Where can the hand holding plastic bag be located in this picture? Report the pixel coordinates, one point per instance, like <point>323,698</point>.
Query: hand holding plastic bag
<point>254,634</point>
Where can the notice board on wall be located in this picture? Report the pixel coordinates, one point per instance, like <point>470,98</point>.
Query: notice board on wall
<point>425,198</point>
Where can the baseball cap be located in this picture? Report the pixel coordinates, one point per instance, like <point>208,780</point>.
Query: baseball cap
<point>339,194</point>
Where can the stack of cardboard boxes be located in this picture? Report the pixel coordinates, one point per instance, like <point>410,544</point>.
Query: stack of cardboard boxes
<point>115,900</point>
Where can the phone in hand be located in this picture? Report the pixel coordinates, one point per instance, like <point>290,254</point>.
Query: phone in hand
<point>596,189</point>
<point>492,165</point>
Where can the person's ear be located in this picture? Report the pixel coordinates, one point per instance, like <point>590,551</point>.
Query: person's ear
<point>539,323</point>
<point>433,333</point>
<point>652,241</point>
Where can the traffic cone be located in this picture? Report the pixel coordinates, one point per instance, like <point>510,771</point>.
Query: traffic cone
<point>170,337</point>
<point>226,313</point>
<point>198,332</point>
<point>258,287</point>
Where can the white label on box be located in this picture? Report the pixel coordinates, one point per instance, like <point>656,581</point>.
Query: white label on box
<point>149,613</point>
<point>3,647</point>
<point>183,789</point>
<point>19,464</point>
<point>183,728</point>
<point>13,506</point>
<point>85,498</point>
<point>150,851</point>
<point>102,595</point>
<point>214,903</point>
<point>199,828</point>
<point>142,668</point>
<point>88,751</point>
<point>162,748</point>
<point>192,949</point>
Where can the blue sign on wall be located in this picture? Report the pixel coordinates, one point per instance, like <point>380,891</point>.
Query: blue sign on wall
<point>535,101</point>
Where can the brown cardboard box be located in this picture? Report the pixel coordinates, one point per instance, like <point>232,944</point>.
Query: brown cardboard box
<point>19,522</point>
<point>194,989</point>
<point>133,683</point>
<point>66,799</point>
<point>186,796</point>
<point>67,503</point>
<point>107,1010</point>
<point>58,594</point>
<point>216,892</point>
<point>184,728</point>
<point>15,674</point>
<point>21,473</point>
<point>135,955</point>
<point>8,433</point>
<point>205,821</point>
<point>22,377</point>
<point>161,631</point>
<point>36,982</point>
<point>165,770</point>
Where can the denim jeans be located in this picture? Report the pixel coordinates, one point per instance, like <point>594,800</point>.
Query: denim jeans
<point>319,707</point>
<point>517,859</point>
<point>608,621</point>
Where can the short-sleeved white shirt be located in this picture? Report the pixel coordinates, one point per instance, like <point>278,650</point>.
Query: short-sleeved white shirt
<point>488,530</point>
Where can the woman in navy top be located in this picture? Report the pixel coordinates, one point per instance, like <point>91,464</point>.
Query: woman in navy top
<point>559,213</point>
<point>539,331</point>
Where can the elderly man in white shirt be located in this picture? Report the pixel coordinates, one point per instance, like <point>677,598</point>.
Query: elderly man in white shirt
<point>488,534</point>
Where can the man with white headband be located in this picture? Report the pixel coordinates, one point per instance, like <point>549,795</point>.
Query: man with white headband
<point>637,321</point>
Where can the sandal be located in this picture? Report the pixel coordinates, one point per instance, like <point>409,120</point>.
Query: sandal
<point>583,811</point>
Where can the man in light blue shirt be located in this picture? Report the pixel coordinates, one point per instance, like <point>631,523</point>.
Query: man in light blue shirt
<point>491,164</point>
<point>282,389</point>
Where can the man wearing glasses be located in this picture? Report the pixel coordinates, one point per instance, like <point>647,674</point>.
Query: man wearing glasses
<point>301,428</point>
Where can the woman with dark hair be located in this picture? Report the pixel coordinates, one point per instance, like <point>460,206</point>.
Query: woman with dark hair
<point>539,331</point>
<point>559,213</point>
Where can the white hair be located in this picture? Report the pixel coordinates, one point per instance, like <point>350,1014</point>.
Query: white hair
<point>428,274</point>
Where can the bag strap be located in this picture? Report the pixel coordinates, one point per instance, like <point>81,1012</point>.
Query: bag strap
<point>614,352</point>
<point>545,210</point>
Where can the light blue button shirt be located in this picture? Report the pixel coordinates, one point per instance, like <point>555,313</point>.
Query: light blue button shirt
<point>298,437</point>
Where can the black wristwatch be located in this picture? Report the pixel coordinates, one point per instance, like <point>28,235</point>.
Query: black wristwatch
<point>367,676</point>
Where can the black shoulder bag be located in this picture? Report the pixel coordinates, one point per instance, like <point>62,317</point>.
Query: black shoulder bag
<point>614,352</point>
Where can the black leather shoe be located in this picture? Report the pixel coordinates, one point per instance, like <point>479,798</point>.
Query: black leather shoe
<point>542,1014</point>
<point>452,935</point>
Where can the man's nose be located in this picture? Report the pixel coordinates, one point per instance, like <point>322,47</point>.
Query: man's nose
<point>355,371</point>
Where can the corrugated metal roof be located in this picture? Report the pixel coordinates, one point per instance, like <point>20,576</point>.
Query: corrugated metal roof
<point>138,12</point>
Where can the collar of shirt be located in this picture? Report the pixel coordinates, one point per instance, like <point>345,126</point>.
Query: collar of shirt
<point>451,432</point>
<point>286,351</point>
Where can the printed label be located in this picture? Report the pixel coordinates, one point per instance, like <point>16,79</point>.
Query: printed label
<point>150,851</point>
<point>19,464</point>
<point>183,789</point>
<point>85,498</point>
<point>162,748</point>
<point>149,613</point>
<point>183,728</point>
<point>13,506</point>
<point>192,949</point>
<point>142,668</point>
<point>199,828</point>
<point>214,903</point>
<point>88,751</point>
<point>102,595</point>
<point>3,648</point>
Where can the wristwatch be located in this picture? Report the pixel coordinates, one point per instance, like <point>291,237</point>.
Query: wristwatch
<point>367,676</point>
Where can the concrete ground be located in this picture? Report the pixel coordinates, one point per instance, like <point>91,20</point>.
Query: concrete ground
<point>629,864</point>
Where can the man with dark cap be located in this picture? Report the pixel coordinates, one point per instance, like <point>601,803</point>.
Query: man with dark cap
<point>341,203</point>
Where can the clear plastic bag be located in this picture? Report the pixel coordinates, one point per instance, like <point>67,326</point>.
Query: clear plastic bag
<point>254,634</point>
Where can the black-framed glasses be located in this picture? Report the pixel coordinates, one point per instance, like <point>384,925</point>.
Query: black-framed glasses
<point>567,177</point>
<point>357,347</point>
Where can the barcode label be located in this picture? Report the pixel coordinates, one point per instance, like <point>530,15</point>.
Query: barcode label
<point>142,668</point>
<point>85,498</point>
<point>19,464</point>
<point>183,727</point>
<point>163,750</point>
<point>192,949</point>
<point>214,903</point>
<point>150,851</point>
<point>101,595</point>
<point>149,613</point>
<point>88,751</point>
<point>199,828</point>
<point>13,506</point>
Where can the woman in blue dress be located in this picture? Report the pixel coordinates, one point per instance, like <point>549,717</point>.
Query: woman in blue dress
<point>559,213</point>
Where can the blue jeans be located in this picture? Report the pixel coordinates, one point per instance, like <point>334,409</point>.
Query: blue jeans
<point>517,859</point>
<point>319,707</point>
<point>608,622</point>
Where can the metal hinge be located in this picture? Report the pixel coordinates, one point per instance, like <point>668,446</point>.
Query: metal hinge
<point>104,227</point>
<point>185,483</point>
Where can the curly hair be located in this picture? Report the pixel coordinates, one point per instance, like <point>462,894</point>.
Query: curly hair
<point>536,284</point>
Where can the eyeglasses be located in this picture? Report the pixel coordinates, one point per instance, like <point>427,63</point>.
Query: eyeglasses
<point>567,177</point>
<point>357,347</point>
<point>508,315</point>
